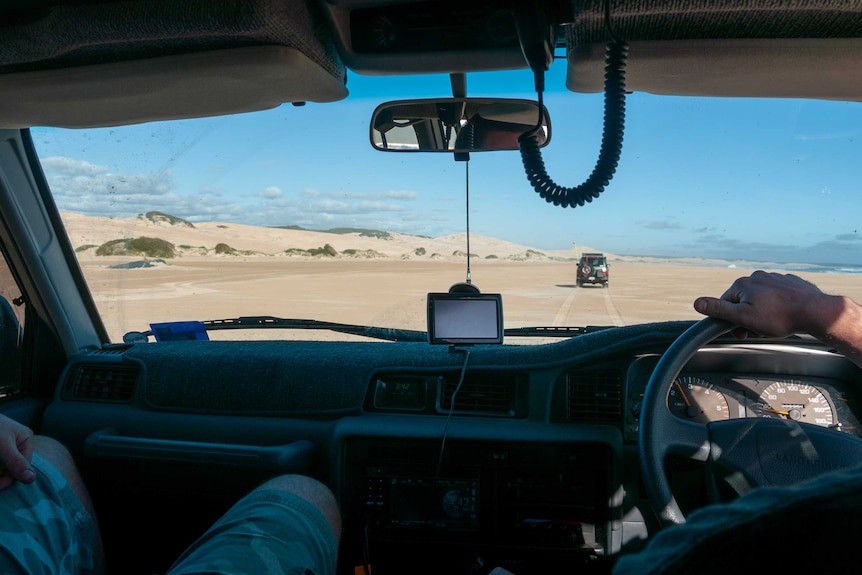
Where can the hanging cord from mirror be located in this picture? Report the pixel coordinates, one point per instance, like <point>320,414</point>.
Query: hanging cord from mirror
<point>467,196</point>
<point>612,131</point>
<point>466,136</point>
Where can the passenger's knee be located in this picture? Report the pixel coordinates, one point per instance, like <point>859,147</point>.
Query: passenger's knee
<point>57,455</point>
<point>54,452</point>
<point>312,491</point>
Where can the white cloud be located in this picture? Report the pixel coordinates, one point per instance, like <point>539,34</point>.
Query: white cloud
<point>96,190</point>
<point>72,180</point>
<point>69,167</point>
<point>271,193</point>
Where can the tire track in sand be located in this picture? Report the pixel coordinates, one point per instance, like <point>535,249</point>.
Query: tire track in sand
<point>563,313</point>
<point>614,315</point>
<point>613,312</point>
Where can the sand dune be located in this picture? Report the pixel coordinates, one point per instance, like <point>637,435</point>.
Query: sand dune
<point>203,238</point>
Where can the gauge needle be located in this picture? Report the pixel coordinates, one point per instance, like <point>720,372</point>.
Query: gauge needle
<point>787,413</point>
<point>682,393</point>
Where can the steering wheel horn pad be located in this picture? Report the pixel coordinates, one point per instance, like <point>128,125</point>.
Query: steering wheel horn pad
<point>779,452</point>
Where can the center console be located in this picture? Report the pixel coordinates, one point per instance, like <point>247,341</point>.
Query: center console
<point>420,508</point>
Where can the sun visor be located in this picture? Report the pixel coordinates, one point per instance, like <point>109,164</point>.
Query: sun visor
<point>185,86</point>
<point>87,65</point>
<point>760,68</point>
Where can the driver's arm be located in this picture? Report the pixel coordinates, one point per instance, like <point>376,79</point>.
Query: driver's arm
<point>777,305</point>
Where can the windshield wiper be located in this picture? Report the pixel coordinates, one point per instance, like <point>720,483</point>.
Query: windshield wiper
<point>553,331</point>
<point>270,322</point>
<point>384,333</point>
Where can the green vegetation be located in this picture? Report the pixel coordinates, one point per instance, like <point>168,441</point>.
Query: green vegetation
<point>114,248</point>
<point>419,251</point>
<point>157,217</point>
<point>143,246</point>
<point>85,247</point>
<point>224,249</point>
<point>491,257</point>
<point>527,255</point>
<point>363,254</point>
<point>153,247</point>
<point>326,251</point>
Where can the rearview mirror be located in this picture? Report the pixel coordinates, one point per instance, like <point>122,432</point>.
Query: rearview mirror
<point>456,125</point>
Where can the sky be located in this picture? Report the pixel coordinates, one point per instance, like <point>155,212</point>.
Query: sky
<point>761,180</point>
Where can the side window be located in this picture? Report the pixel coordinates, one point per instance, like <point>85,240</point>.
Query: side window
<point>11,332</point>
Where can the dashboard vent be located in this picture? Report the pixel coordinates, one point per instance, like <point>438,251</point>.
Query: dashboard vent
<point>483,393</point>
<point>594,396</point>
<point>108,383</point>
<point>113,351</point>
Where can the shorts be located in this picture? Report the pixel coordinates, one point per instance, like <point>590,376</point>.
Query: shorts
<point>266,532</point>
<point>44,528</point>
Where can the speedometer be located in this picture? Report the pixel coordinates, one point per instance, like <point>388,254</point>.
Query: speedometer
<point>795,401</point>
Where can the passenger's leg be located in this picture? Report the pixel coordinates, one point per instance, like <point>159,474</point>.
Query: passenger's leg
<point>313,491</point>
<point>60,457</point>
<point>290,524</point>
<point>50,521</point>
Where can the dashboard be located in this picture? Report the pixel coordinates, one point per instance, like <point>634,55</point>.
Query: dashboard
<point>527,459</point>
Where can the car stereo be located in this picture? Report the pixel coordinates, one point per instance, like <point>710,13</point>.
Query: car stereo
<point>545,495</point>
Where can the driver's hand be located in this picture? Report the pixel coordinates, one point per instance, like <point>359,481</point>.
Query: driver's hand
<point>16,451</point>
<point>773,305</point>
<point>777,305</point>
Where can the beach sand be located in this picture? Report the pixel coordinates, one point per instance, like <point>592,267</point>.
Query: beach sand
<point>376,278</point>
<point>392,293</point>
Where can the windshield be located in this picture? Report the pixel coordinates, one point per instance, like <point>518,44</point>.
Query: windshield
<point>291,212</point>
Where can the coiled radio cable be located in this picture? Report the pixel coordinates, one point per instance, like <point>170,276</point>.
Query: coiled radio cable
<point>612,140</point>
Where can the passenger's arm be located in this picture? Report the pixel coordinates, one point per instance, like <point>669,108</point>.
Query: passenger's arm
<point>777,305</point>
<point>16,452</point>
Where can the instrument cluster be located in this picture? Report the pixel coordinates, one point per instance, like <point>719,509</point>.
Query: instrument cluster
<point>704,398</point>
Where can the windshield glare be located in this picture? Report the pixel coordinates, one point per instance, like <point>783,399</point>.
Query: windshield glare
<point>291,213</point>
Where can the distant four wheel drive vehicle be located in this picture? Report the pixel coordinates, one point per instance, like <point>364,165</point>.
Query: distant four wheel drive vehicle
<point>593,269</point>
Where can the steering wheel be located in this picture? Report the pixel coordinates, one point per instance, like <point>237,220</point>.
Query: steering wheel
<point>749,452</point>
